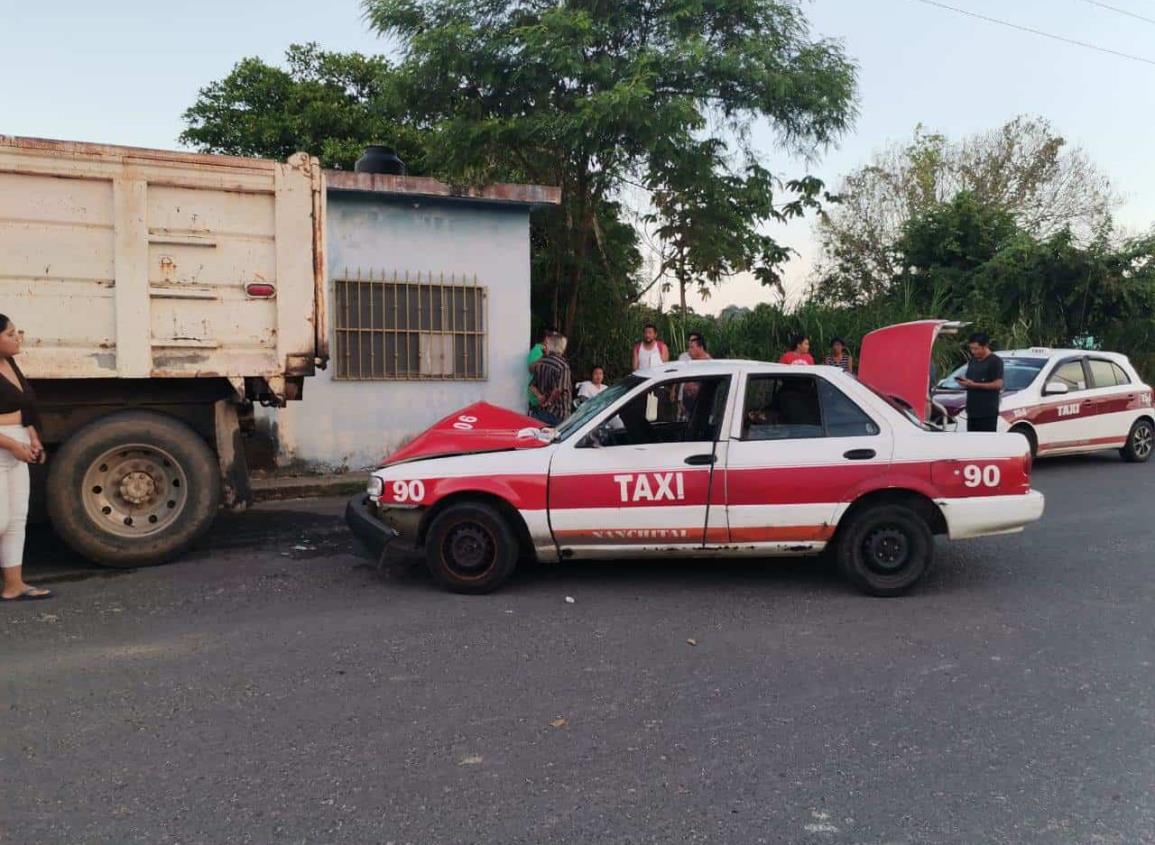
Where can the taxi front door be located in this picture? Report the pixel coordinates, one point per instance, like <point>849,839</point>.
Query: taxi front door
<point>644,480</point>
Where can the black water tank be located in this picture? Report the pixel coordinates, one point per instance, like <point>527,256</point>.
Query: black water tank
<point>380,159</point>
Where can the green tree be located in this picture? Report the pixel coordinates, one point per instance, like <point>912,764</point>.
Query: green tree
<point>973,261</point>
<point>328,104</point>
<point>595,95</point>
<point>1024,168</point>
<point>707,217</point>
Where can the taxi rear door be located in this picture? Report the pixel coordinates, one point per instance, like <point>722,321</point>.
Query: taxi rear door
<point>799,449</point>
<point>643,479</point>
<point>1111,403</point>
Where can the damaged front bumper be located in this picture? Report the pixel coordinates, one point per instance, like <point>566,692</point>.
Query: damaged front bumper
<point>377,527</point>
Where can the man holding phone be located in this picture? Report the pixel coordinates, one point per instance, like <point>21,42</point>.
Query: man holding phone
<point>983,383</point>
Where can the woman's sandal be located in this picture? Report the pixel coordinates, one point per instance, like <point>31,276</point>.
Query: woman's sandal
<point>30,594</point>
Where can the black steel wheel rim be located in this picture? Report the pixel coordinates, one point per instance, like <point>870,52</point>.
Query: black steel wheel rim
<point>469,549</point>
<point>887,549</point>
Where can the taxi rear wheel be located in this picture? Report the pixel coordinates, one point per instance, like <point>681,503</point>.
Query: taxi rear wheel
<point>470,548</point>
<point>1032,441</point>
<point>885,549</point>
<point>1140,441</point>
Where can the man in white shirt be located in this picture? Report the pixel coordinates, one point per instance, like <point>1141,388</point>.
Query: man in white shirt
<point>695,348</point>
<point>651,352</point>
<point>695,351</point>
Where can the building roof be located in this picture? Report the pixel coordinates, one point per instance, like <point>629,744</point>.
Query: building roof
<point>422,186</point>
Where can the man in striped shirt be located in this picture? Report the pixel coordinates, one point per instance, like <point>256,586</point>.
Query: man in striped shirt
<point>552,383</point>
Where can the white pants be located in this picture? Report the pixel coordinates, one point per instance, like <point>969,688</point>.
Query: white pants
<point>13,500</point>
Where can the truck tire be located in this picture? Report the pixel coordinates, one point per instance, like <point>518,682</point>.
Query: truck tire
<point>885,549</point>
<point>134,488</point>
<point>471,548</point>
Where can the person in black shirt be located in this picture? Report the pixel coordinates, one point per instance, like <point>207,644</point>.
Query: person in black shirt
<point>983,383</point>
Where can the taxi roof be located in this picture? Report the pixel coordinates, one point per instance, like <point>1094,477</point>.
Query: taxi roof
<point>727,366</point>
<point>1048,353</point>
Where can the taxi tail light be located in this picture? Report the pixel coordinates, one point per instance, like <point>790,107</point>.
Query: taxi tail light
<point>1028,464</point>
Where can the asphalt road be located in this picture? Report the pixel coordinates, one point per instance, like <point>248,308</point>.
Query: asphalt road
<point>274,687</point>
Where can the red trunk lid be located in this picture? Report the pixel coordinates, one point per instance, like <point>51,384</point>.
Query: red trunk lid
<point>896,360</point>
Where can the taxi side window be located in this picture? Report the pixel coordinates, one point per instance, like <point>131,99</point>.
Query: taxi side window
<point>1071,374</point>
<point>800,407</point>
<point>841,417</point>
<point>678,411</point>
<point>1107,373</point>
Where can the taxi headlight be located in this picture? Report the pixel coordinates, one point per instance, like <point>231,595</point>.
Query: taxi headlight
<point>376,487</point>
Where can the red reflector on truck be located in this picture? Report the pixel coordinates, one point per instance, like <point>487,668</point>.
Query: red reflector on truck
<point>259,290</point>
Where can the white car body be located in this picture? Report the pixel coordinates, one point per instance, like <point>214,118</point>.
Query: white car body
<point>773,463</point>
<point>1076,401</point>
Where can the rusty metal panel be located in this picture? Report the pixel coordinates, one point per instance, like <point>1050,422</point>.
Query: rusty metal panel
<point>131,263</point>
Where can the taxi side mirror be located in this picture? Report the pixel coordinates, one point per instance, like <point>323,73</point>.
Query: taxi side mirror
<point>1055,388</point>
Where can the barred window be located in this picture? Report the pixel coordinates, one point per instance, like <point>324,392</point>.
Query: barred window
<point>415,328</point>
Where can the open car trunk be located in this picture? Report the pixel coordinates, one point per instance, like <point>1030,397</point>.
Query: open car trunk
<point>896,360</point>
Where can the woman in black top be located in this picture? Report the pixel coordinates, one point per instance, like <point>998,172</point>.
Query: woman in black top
<point>19,446</point>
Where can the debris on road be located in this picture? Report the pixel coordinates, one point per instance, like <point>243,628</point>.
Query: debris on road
<point>559,723</point>
<point>569,600</point>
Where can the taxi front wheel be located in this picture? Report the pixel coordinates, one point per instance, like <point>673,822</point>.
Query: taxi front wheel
<point>470,548</point>
<point>885,549</point>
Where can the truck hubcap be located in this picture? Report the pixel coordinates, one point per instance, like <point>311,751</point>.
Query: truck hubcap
<point>134,490</point>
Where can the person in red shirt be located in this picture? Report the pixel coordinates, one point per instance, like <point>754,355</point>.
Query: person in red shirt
<point>799,353</point>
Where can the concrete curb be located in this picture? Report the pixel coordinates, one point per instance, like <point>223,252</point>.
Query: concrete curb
<point>307,487</point>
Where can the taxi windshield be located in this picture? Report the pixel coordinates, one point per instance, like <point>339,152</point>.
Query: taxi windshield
<point>592,407</point>
<point>1018,373</point>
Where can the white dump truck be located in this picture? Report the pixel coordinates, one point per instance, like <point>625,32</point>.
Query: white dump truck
<point>161,294</point>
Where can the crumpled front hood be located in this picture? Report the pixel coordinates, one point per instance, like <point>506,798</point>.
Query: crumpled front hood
<point>481,427</point>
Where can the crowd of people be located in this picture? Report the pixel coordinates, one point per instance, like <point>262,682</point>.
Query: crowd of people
<point>551,391</point>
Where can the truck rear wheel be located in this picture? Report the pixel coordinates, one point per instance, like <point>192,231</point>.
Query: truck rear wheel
<point>133,489</point>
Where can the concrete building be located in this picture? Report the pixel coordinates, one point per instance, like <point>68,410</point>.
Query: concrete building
<point>428,309</point>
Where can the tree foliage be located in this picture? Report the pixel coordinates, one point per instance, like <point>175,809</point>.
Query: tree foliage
<point>328,104</point>
<point>1023,168</point>
<point>596,95</point>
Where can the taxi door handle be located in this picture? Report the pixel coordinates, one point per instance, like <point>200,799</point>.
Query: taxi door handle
<point>859,454</point>
<point>700,460</point>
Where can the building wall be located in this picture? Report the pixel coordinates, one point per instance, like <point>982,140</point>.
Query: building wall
<point>351,424</point>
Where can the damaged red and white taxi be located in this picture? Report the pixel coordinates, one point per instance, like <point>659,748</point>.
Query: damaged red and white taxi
<point>708,459</point>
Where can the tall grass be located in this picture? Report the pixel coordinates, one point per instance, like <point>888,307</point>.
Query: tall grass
<point>763,334</point>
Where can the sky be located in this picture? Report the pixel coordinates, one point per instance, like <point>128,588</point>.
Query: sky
<point>122,72</point>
